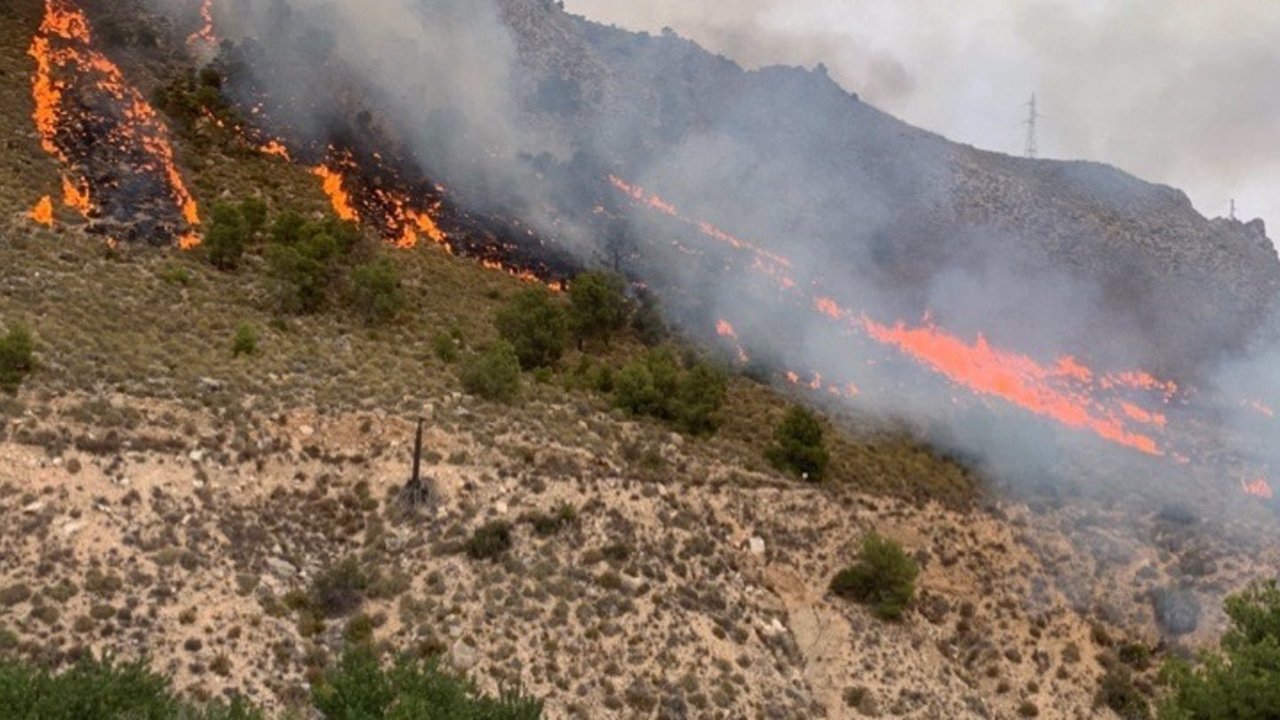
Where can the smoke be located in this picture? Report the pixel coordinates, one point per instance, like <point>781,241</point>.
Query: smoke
<point>810,221</point>
<point>1177,91</point>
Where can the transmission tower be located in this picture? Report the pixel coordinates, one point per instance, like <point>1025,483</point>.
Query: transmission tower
<point>1033,149</point>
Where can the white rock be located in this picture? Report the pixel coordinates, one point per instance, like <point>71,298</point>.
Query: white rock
<point>307,431</point>
<point>756,545</point>
<point>34,507</point>
<point>72,528</point>
<point>500,508</point>
<point>196,456</point>
<point>463,656</point>
<point>281,568</point>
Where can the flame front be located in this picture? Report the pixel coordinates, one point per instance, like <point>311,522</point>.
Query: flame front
<point>129,132</point>
<point>1258,488</point>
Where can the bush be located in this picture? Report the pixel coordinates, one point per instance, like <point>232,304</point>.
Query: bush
<point>494,374</point>
<point>445,346</point>
<point>17,350</point>
<point>884,578</point>
<point>359,688</point>
<point>246,340</point>
<point>340,589</point>
<point>101,689</point>
<point>798,445</point>
<point>597,306</point>
<point>490,540</point>
<point>227,237</point>
<point>375,290</point>
<point>1117,692</point>
<point>536,326</point>
<point>302,259</point>
<point>655,385</point>
<point>1242,680</point>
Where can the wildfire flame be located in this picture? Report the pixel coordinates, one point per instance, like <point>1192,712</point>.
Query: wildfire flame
<point>42,213</point>
<point>338,196</point>
<point>63,53</point>
<point>205,35</point>
<point>725,330</point>
<point>1258,488</point>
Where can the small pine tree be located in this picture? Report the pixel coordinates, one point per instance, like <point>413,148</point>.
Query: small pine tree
<point>884,578</point>
<point>799,445</point>
<point>597,306</point>
<point>227,237</point>
<point>375,290</point>
<point>537,327</point>
<point>246,340</point>
<point>17,350</point>
<point>494,374</point>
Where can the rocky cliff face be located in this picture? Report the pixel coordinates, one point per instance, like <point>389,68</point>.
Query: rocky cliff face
<point>1123,267</point>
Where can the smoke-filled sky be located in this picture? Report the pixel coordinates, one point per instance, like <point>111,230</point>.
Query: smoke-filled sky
<point>1183,92</point>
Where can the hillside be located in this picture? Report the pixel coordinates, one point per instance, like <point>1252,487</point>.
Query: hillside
<point>169,499</point>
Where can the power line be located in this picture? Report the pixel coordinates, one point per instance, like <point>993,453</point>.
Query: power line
<point>1033,148</point>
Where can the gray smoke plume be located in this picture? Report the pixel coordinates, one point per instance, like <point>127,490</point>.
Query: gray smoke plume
<point>528,111</point>
<point>1178,91</point>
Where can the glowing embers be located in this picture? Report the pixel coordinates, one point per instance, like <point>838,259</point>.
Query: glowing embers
<point>725,330</point>
<point>205,36</point>
<point>112,145</point>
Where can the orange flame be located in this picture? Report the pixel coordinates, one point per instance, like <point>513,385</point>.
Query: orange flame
<point>64,42</point>
<point>725,330</point>
<point>338,197</point>
<point>1258,488</point>
<point>1014,378</point>
<point>42,213</point>
<point>277,148</point>
<point>76,197</point>
<point>205,35</point>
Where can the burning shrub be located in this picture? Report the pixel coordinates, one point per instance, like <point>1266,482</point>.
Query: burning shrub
<point>17,349</point>
<point>494,374</point>
<point>655,385</point>
<point>375,290</point>
<point>1244,675</point>
<point>884,578</point>
<point>597,306</point>
<point>536,326</point>
<point>798,445</point>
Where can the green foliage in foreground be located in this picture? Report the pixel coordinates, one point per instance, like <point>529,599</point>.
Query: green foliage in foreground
<point>536,325</point>
<point>884,578</point>
<point>360,687</point>
<point>102,690</point>
<point>1242,680</point>
<point>17,349</point>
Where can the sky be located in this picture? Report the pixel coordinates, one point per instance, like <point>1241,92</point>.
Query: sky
<point>1181,92</point>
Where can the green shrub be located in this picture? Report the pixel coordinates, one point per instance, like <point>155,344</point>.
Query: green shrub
<point>102,689</point>
<point>1242,680</point>
<point>597,306</point>
<point>494,374</point>
<point>884,578</point>
<point>375,290</point>
<point>302,259</point>
<point>490,540</point>
<point>798,445</point>
<point>536,325</point>
<point>655,385</point>
<point>339,589</point>
<point>245,341</point>
<point>17,351</point>
<point>227,236</point>
<point>445,346</point>
<point>359,688</point>
<point>1117,692</point>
